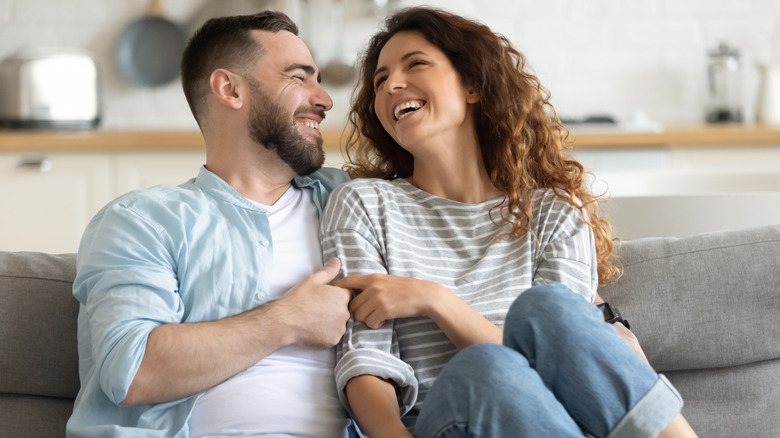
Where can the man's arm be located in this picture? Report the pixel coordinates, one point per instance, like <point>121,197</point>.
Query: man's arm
<point>183,359</point>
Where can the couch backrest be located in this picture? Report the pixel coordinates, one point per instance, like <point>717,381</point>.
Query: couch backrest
<point>38,346</point>
<point>706,310</point>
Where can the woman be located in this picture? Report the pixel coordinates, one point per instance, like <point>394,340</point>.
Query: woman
<point>470,203</point>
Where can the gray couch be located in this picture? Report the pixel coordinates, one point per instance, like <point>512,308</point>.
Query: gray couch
<point>705,308</point>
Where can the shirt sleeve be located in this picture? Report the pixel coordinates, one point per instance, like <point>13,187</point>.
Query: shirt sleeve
<point>349,232</point>
<point>127,286</point>
<point>567,249</point>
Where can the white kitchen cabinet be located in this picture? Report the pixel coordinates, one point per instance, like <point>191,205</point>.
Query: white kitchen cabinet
<point>48,199</point>
<point>145,169</point>
<point>731,159</point>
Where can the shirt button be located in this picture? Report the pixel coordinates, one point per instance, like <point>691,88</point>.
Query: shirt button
<point>261,296</point>
<point>264,242</point>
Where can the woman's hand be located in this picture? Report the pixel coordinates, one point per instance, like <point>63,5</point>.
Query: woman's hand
<point>625,333</point>
<point>383,297</point>
<point>629,337</point>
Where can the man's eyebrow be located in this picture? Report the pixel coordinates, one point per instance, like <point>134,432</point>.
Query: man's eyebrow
<point>310,70</point>
<point>403,58</point>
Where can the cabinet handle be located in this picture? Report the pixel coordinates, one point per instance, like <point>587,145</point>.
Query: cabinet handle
<point>41,164</point>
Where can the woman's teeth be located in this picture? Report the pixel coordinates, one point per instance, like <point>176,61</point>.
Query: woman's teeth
<point>400,111</point>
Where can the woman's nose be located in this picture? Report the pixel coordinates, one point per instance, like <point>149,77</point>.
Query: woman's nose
<point>395,82</point>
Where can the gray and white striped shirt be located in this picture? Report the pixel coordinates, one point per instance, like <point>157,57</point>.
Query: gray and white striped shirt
<point>379,226</point>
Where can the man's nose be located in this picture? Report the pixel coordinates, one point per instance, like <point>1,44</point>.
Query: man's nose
<point>321,98</point>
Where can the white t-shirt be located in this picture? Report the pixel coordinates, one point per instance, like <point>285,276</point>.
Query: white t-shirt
<point>292,392</point>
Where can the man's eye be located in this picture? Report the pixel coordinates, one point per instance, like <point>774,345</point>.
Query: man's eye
<point>300,78</point>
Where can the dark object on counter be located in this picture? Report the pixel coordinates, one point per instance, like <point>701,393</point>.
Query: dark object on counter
<point>724,115</point>
<point>597,119</point>
<point>724,74</point>
<point>339,71</point>
<point>49,89</point>
<point>150,48</point>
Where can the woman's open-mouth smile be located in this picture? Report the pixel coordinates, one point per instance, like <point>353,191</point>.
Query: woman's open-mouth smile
<point>404,109</point>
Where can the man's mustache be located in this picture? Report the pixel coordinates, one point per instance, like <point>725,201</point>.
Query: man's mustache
<point>310,110</point>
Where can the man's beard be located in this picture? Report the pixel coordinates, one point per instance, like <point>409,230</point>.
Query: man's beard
<point>270,125</point>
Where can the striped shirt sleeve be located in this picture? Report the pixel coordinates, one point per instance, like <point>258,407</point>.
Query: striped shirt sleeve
<point>567,246</point>
<point>348,233</point>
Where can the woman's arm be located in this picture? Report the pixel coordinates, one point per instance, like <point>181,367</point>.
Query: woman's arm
<point>383,297</point>
<point>375,407</point>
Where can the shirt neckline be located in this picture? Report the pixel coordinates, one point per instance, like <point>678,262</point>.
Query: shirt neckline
<point>290,195</point>
<point>423,196</point>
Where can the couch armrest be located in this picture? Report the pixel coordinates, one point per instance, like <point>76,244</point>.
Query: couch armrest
<point>38,315</point>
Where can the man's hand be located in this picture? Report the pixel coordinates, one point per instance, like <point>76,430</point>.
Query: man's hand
<point>318,312</point>
<point>183,359</point>
<point>629,337</point>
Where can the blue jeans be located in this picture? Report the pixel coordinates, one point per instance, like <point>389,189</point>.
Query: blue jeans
<point>562,372</point>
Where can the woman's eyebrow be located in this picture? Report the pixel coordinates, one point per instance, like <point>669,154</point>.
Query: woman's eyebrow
<point>403,58</point>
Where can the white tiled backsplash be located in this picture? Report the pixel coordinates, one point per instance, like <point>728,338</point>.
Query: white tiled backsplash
<point>595,56</point>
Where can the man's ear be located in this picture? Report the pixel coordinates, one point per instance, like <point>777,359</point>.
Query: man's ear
<point>228,88</point>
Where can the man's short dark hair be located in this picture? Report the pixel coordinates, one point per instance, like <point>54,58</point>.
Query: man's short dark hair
<point>225,42</point>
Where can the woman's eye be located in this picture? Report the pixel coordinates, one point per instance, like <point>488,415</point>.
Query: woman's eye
<point>379,83</point>
<point>417,62</point>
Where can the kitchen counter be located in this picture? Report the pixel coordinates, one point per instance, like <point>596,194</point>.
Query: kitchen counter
<point>690,136</point>
<point>677,137</point>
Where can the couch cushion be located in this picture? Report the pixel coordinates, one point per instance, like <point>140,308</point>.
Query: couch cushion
<point>29,416</point>
<point>732,402</point>
<point>705,301</point>
<point>38,314</point>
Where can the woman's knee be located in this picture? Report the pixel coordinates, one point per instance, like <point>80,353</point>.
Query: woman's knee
<point>548,301</point>
<point>544,310</point>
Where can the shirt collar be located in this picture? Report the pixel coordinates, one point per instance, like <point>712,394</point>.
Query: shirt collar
<point>303,181</point>
<point>217,187</point>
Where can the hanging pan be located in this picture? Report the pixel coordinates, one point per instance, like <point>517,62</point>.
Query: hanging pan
<point>149,49</point>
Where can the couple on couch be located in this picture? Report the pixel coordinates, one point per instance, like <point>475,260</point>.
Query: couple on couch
<point>462,262</point>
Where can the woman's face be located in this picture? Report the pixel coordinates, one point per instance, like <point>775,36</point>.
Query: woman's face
<point>419,97</point>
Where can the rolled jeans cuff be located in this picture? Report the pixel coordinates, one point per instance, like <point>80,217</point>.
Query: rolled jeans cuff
<point>652,414</point>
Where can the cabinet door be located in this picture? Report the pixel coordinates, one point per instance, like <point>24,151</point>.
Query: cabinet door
<point>47,200</point>
<point>142,170</point>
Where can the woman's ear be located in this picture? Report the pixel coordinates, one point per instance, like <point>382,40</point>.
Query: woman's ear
<point>472,96</point>
<point>227,88</point>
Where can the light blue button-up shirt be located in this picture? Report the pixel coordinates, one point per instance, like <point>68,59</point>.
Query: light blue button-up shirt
<point>169,254</point>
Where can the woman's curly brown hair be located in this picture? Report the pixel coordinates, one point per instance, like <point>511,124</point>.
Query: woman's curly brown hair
<point>522,144</point>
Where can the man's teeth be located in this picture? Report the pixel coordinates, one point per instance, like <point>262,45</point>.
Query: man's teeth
<point>414,105</point>
<point>311,124</point>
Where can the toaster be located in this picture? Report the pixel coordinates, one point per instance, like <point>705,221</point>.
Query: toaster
<point>49,89</point>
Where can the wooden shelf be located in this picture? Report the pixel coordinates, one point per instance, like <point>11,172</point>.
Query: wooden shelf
<point>701,136</point>
<point>692,136</point>
<point>120,141</point>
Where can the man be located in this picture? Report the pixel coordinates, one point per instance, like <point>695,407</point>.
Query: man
<point>205,308</point>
